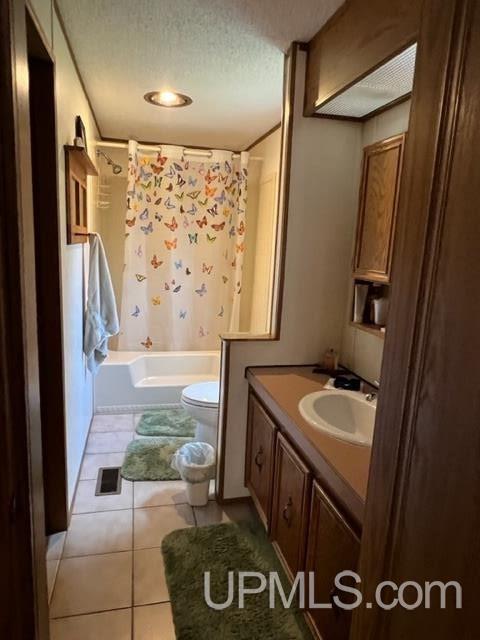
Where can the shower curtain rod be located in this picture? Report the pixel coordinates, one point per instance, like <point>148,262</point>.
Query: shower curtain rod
<point>150,147</point>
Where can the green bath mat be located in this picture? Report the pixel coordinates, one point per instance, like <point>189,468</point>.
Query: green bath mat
<point>149,459</point>
<point>188,553</point>
<point>171,422</point>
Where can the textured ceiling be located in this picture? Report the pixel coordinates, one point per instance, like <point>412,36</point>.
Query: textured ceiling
<point>226,54</point>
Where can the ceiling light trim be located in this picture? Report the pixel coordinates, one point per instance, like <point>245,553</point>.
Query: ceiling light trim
<point>153,98</point>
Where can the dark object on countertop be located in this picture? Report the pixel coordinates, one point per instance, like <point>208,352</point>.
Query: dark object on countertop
<point>349,383</point>
<point>329,372</point>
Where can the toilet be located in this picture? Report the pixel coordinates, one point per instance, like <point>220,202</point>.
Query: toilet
<point>201,400</point>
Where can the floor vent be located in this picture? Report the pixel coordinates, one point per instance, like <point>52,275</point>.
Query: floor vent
<point>109,481</point>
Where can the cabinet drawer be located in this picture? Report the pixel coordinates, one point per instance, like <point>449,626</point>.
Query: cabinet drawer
<point>260,458</point>
<point>332,547</point>
<point>290,506</point>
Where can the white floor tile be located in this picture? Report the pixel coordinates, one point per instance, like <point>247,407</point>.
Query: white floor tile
<point>108,442</point>
<point>151,525</point>
<point>87,502</point>
<point>149,584</point>
<point>112,422</point>
<point>52,568</point>
<point>154,622</point>
<point>93,461</point>
<point>159,493</point>
<point>114,625</point>
<point>213,513</point>
<point>55,545</point>
<point>92,584</point>
<point>103,532</point>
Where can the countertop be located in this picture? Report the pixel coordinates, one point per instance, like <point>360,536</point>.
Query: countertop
<point>341,466</point>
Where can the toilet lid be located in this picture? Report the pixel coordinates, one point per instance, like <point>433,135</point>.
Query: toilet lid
<point>205,394</point>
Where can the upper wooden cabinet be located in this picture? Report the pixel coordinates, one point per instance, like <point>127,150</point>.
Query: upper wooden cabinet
<point>381,174</point>
<point>77,167</point>
<point>357,39</point>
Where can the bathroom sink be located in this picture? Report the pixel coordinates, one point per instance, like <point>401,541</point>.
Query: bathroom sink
<point>345,415</point>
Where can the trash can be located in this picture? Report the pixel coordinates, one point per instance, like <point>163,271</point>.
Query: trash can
<point>195,462</point>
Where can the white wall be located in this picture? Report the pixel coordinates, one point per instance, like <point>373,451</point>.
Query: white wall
<point>263,260</point>
<point>326,157</point>
<point>70,102</point>
<point>43,10</point>
<point>110,222</point>
<point>362,352</point>
<point>263,169</point>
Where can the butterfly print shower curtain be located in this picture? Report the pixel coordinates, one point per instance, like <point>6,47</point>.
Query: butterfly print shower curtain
<point>184,248</point>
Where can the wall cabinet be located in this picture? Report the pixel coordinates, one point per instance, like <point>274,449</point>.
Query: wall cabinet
<point>307,531</point>
<point>381,174</point>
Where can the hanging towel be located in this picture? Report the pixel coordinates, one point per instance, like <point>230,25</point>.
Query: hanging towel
<point>101,318</point>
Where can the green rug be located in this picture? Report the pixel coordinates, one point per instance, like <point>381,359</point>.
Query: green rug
<point>221,548</point>
<point>167,422</point>
<point>150,458</point>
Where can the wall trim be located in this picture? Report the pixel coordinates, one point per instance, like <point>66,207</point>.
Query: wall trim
<point>264,136</point>
<point>75,63</point>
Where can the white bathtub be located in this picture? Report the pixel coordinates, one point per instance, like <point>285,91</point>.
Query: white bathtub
<point>130,381</point>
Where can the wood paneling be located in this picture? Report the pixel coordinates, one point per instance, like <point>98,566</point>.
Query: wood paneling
<point>381,175</point>
<point>261,432</point>
<point>292,485</point>
<point>356,40</point>
<point>332,547</point>
<point>422,513</point>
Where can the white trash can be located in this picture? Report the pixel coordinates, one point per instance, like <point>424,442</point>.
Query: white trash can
<point>195,462</point>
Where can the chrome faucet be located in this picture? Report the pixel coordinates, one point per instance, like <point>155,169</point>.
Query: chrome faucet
<point>370,397</point>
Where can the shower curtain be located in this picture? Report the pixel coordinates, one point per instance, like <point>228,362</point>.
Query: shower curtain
<point>184,248</point>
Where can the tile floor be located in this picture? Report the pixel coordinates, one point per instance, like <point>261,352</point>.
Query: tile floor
<point>106,574</point>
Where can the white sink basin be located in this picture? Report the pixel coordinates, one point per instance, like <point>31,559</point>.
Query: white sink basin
<point>345,415</point>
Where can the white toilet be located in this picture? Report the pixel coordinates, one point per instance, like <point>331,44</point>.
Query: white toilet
<point>201,400</point>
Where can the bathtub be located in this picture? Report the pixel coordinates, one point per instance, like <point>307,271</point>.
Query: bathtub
<point>130,381</point>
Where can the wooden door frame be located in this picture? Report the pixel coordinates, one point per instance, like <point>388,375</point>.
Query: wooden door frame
<point>409,449</point>
<point>48,275</point>
<point>22,526</point>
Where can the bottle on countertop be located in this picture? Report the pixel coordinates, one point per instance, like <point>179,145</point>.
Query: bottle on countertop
<point>330,360</point>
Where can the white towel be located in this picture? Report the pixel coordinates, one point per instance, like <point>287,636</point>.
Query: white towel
<point>101,317</point>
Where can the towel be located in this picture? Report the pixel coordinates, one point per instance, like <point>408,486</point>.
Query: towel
<point>101,317</point>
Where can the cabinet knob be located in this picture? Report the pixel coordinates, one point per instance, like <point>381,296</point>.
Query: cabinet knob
<point>259,458</point>
<point>287,512</point>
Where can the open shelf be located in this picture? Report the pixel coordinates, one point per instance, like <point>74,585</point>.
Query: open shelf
<point>82,158</point>
<point>369,328</point>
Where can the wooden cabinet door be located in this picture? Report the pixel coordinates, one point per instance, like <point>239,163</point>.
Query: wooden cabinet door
<point>260,458</point>
<point>291,497</point>
<point>332,547</point>
<point>382,166</point>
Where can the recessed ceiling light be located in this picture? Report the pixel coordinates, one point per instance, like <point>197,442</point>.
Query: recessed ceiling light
<point>167,99</point>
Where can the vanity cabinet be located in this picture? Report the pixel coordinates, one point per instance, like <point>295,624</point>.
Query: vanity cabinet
<point>307,530</point>
<point>261,435</point>
<point>381,174</point>
<point>332,547</point>
<point>291,497</point>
